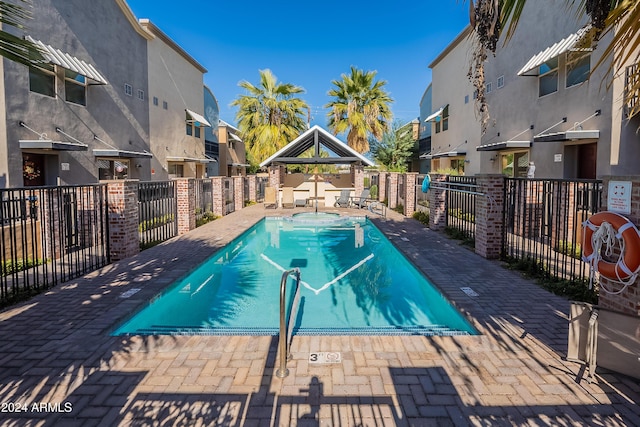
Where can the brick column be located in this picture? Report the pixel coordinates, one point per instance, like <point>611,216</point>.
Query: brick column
<point>437,203</point>
<point>217,190</point>
<point>275,176</point>
<point>358,178</point>
<point>238,192</point>
<point>382,186</point>
<point>410,179</point>
<point>628,301</point>
<point>253,188</point>
<point>393,190</point>
<point>186,204</point>
<point>489,208</point>
<point>124,240</point>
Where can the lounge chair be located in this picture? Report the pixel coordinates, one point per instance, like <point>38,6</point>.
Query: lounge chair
<point>270,197</point>
<point>287,197</point>
<point>343,200</point>
<point>363,200</point>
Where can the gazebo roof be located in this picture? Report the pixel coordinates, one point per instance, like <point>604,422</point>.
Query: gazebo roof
<point>339,152</point>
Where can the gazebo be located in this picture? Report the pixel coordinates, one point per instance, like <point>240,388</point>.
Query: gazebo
<point>317,138</point>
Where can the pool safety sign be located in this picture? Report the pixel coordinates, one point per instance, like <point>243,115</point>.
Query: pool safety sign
<point>324,357</point>
<point>619,197</point>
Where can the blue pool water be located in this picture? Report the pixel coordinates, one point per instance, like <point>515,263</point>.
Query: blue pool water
<point>353,281</point>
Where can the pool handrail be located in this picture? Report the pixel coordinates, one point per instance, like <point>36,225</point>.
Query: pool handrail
<point>286,328</point>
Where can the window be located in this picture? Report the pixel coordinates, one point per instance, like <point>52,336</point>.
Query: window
<point>113,169</point>
<point>43,80</point>
<point>155,101</point>
<point>548,80</point>
<point>445,118</point>
<point>141,94</point>
<point>189,129</point>
<point>176,170</point>
<point>515,165</point>
<point>196,132</point>
<point>435,165</point>
<point>128,90</point>
<point>489,88</point>
<point>500,82</point>
<point>458,165</point>
<point>578,68</point>
<point>165,105</point>
<point>75,87</point>
<point>475,94</point>
<point>466,99</point>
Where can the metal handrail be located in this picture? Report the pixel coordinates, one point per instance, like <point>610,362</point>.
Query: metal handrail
<point>283,344</point>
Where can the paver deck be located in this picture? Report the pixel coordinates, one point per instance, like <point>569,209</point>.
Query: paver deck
<point>56,353</point>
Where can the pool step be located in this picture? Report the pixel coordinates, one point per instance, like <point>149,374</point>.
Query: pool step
<point>430,330</point>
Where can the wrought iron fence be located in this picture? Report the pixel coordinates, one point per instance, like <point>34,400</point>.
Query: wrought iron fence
<point>157,212</point>
<point>401,193</point>
<point>461,205</point>
<point>422,202</point>
<point>204,201</point>
<point>50,235</point>
<point>261,184</point>
<point>229,202</point>
<point>543,223</point>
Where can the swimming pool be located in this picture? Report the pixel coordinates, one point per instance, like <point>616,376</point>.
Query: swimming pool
<point>353,282</point>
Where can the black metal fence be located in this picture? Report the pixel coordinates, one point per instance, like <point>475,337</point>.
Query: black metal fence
<point>204,201</point>
<point>543,223</point>
<point>461,205</point>
<point>157,212</point>
<point>401,190</point>
<point>261,184</point>
<point>50,235</point>
<point>229,202</point>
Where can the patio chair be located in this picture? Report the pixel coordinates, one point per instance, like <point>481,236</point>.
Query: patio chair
<point>270,197</point>
<point>363,200</point>
<point>343,200</point>
<point>287,198</point>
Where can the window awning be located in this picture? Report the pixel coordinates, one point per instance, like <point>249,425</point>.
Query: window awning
<point>453,153</point>
<point>235,137</point>
<point>189,159</point>
<point>65,60</point>
<point>504,145</point>
<point>437,114</point>
<point>564,45</point>
<point>122,154</point>
<point>569,135</point>
<point>48,144</point>
<point>196,119</point>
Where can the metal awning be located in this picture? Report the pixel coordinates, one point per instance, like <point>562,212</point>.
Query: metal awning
<point>189,159</point>
<point>569,135</point>
<point>503,145</point>
<point>65,60</point>
<point>48,144</point>
<point>437,114</point>
<point>235,137</point>
<point>564,45</point>
<point>122,154</point>
<point>452,153</point>
<point>340,153</point>
<point>196,119</point>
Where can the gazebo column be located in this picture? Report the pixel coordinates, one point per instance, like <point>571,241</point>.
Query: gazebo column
<point>357,174</point>
<point>275,175</point>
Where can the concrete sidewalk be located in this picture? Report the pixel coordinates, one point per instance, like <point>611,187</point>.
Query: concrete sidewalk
<point>57,353</point>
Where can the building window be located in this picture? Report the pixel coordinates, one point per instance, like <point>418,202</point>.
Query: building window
<point>155,101</point>
<point>515,165</point>
<point>196,131</point>
<point>578,68</point>
<point>489,88</point>
<point>500,82</point>
<point>113,169</point>
<point>466,99</point>
<point>445,118</point>
<point>631,92</point>
<point>75,87</point>
<point>435,165</point>
<point>189,129</point>
<point>43,80</point>
<point>458,165</point>
<point>548,80</point>
<point>128,90</point>
<point>475,94</point>
<point>176,170</point>
<point>165,105</point>
<point>141,94</point>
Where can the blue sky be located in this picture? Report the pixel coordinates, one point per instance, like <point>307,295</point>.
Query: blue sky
<point>311,43</point>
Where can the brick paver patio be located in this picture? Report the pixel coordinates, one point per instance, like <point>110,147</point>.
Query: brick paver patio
<point>57,353</point>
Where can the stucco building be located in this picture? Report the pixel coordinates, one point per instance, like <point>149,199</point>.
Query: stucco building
<point>232,154</point>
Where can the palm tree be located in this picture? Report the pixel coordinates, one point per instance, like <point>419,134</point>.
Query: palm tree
<point>396,147</point>
<point>13,47</point>
<point>622,17</point>
<point>270,115</point>
<point>361,108</point>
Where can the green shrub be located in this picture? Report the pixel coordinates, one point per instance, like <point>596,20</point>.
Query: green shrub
<point>205,218</point>
<point>10,267</point>
<point>421,216</point>
<point>399,208</point>
<point>574,250</point>
<point>373,191</point>
<point>458,234</point>
<point>156,222</point>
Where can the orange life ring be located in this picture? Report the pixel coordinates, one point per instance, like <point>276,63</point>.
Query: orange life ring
<point>629,262</point>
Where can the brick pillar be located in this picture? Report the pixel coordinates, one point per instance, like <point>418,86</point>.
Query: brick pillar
<point>393,190</point>
<point>410,179</point>
<point>628,301</point>
<point>186,204</point>
<point>358,178</point>
<point>217,190</point>
<point>437,203</point>
<point>124,240</point>
<point>382,186</point>
<point>253,188</point>
<point>489,207</point>
<point>275,176</point>
<point>238,192</point>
